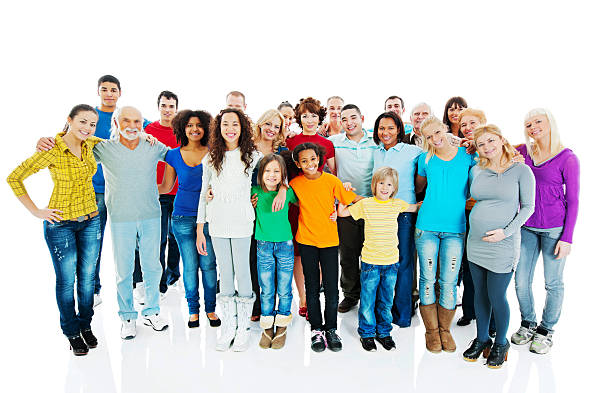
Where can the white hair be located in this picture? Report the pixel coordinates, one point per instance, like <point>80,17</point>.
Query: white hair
<point>115,127</point>
<point>421,104</point>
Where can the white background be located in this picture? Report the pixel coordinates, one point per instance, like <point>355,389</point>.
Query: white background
<point>503,57</point>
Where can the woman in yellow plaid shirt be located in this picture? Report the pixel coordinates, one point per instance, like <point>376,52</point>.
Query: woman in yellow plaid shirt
<point>71,221</point>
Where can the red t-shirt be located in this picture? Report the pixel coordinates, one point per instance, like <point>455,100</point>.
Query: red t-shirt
<point>166,136</point>
<point>292,143</point>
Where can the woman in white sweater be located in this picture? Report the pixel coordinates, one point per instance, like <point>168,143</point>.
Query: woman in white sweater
<point>227,170</point>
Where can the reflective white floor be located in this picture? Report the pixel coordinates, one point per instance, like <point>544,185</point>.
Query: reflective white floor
<point>184,360</point>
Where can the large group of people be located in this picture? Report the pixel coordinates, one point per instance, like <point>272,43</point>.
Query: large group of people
<point>307,195</point>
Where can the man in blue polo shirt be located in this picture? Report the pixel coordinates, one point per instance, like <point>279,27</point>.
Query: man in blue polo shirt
<point>354,163</point>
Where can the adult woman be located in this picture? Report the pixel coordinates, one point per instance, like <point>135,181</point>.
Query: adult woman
<point>452,110</point>
<point>549,230</point>
<point>309,115</point>
<point>440,229</point>
<point>286,109</point>
<point>71,221</point>
<point>500,186</point>
<point>391,152</point>
<point>192,129</point>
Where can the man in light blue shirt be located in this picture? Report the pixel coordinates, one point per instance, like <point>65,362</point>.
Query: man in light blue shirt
<point>354,163</point>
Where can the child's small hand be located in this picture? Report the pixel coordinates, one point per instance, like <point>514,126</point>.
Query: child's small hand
<point>209,195</point>
<point>333,216</point>
<point>254,200</point>
<point>348,186</point>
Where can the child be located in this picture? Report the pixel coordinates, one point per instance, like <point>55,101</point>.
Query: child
<point>379,257</point>
<point>274,251</point>
<point>317,238</point>
<point>227,170</point>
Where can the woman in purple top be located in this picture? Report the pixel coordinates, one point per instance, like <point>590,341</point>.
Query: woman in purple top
<point>549,230</point>
<point>192,129</point>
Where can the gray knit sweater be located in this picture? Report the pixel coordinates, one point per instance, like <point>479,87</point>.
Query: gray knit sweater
<point>498,199</point>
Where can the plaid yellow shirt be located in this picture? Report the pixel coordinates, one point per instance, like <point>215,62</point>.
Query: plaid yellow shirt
<point>73,192</point>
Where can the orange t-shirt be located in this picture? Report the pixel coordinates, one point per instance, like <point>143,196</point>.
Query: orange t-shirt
<point>317,202</point>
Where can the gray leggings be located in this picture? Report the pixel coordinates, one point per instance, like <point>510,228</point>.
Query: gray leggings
<point>233,262</point>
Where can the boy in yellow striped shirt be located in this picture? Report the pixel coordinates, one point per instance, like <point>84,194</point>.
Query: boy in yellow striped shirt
<point>379,257</point>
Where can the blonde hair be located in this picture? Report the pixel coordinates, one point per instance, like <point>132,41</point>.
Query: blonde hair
<point>555,140</point>
<point>430,122</point>
<point>508,151</point>
<point>473,112</point>
<point>267,116</point>
<point>381,174</point>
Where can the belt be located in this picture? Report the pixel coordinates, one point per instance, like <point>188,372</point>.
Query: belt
<point>85,217</point>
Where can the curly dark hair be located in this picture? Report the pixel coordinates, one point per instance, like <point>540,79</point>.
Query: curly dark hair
<point>218,148</point>
<point>292,169</point>
<point>311,105</point>
<point>179,124</point>
<point>318,149</point>
<point>398,123</point>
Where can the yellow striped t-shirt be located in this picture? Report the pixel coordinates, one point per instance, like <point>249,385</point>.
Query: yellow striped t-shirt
<point>380,246</point>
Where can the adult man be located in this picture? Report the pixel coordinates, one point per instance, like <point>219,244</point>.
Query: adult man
<point>333,125</point>
<point>235,99</point>
<point>109,91</point>
<point>167,104</point>
<point>396,104</point>
<point>419,113</point>
<point>354,163</point>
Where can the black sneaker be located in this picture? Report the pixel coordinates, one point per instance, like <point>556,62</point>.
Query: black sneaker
<point>346,305</point>
<point>78,346</point>
<point>334,342</point>
<point>317,341</point>
<point>89,338</point>
<point>368,344</point>
<point>387,342</point>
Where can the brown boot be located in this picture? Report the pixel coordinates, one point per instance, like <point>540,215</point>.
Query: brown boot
<point>281,322</point>
<point>432,335</point>
<point>267,324</point>
<point>445,318</point>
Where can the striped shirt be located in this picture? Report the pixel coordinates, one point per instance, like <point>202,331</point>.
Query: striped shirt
<point>380,245</point>
<point>73,191</point>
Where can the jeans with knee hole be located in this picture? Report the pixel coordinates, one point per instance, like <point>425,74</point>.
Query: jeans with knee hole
<point>533,242</point>
<point>448,249</point>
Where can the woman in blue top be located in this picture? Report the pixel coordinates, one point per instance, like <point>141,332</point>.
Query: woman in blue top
<point>391,152</point>
<point>192,130</point>
<point>440,229</point>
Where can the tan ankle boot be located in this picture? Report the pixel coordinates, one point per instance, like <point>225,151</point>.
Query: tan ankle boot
<point>432,335</point>
<point>281,322</point>
<point>445,318</point>
<point>267,324</point>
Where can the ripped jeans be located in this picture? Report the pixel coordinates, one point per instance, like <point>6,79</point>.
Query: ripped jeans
<point>447,249</point>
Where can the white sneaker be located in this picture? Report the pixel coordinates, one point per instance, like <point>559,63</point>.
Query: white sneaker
<point>139,295</point>
<point>97,299</point>
<point>128,329</point>
<point>156,321</point>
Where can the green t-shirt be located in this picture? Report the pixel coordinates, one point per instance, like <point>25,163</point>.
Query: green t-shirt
<point>269,226</point>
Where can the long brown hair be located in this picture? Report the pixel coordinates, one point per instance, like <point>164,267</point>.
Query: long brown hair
<point>268,158</point>
<point>246,145</point>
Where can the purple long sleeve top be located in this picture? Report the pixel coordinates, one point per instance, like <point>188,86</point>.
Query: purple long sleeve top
<point>555,205</point>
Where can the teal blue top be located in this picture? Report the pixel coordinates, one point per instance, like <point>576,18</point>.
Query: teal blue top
<point>355,161</point>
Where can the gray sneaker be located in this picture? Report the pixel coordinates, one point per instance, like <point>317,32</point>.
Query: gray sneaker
<point>523,335</point>
<point>541,343</point>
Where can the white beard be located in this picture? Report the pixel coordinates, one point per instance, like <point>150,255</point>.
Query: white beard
<point>130,137</point>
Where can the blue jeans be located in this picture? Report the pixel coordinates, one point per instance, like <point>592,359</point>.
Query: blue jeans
<point>532,243</point>
<point>490,299</point>
<point>275,272</point>
<point>125,235</point>
<point>449,247</point>
<point>377,284</point>
<point>102,214</point>
<point>402,302</point>
<point>74,248</point>
<point>185,233</point>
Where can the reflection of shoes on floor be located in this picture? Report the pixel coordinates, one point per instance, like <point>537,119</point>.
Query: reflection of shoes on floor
<point>459,295</point>
<point>346,305</point>
<point>139,296</point>
<point>97,299</point>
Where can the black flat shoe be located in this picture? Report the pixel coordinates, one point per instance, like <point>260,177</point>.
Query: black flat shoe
<point>464,321</point>
<point>498,355</point>
<point>193,324</point>
<point>387,342</point>
<point>476,348</point>
<point>78,346</point>
<point>89,338</point>
<point>214,322</point>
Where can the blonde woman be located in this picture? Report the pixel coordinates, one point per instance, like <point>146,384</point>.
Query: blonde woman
<point>440,229</point>
<point>500,187</point>
<point>268,132</point>
<point>549,230</point>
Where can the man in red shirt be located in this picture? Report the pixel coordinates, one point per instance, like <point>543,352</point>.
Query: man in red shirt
<point>167,104</point>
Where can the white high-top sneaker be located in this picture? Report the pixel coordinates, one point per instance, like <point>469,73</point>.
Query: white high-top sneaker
<point>227,308</point>
<point>244,306</point>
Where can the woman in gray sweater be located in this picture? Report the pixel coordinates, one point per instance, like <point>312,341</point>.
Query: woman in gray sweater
<point>505,198</point>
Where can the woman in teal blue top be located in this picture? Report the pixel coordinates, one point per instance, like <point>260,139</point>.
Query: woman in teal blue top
<point>440,229</point>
